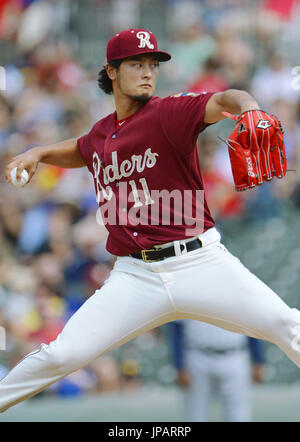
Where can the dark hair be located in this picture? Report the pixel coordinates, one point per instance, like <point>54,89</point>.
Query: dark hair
<point>104,82</point>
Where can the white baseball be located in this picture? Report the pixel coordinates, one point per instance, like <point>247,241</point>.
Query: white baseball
<point>23,180</point>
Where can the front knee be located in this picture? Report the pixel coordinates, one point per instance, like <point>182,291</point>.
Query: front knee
<point>286,327</point>
<point>62,361</point>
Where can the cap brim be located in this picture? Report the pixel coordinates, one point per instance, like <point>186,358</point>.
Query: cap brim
<point>160,55</point>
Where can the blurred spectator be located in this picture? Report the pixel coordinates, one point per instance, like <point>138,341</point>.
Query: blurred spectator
<point>107,373</point>
<point>236,58</point>
<point>209,79</point>
<point>210,362</point>
<point>46,320</point>
<point>282,9</point>
<point>125,15</point>
<point>130,374</point>
<point>273,82</point>
<point>191,47</point>
<point>10,13</point>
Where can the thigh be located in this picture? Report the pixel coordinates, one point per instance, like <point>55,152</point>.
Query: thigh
<point>127,305</point>
<point>217,288</point>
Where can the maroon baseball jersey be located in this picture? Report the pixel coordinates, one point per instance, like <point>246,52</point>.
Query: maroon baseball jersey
<point>146,173</point>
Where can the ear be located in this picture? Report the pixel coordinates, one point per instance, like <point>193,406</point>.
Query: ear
<point>111,72</point>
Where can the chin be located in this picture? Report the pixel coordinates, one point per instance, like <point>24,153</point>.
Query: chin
<point>142,98</point>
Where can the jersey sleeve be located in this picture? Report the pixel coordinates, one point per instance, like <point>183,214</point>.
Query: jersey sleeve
<point>84,144</point>
<point>181,118</point>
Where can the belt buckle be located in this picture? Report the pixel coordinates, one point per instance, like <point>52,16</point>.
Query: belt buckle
<point>144,255</point>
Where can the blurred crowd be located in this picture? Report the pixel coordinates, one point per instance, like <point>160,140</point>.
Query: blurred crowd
<point>52,251</point>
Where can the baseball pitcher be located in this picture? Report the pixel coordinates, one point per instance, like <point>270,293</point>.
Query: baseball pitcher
<point>170,262</point>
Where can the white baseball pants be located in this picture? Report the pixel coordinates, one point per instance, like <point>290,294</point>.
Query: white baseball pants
<point>208,284</point>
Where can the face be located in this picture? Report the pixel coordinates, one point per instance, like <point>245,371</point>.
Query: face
<point>136,78</point>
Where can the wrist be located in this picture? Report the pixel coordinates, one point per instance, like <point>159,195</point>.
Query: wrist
<point>252,105</point>
<point>39,153</point>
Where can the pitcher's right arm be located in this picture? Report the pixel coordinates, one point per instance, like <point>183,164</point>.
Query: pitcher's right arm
<point>64,154</point>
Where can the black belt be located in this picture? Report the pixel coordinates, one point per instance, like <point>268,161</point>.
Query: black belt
<point>218,351</point>
<point>158,254</point>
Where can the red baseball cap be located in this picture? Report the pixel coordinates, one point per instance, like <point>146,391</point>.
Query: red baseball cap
<point>134,42</point>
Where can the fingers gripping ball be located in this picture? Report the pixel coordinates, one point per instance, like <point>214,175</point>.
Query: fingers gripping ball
<point>23,180</point>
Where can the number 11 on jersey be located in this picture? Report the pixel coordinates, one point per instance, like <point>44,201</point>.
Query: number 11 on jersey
<point>135,193</point>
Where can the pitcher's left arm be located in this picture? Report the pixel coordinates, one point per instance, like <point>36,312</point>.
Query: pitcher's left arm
<point>231,100</point>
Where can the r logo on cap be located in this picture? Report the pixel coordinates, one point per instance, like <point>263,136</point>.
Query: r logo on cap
<point>131,42</point>
<point>144,40</point>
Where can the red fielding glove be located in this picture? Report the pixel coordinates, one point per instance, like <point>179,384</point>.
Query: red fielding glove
<point>256,149</point>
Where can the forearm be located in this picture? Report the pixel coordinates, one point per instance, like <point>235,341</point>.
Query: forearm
<point>232,100</point>
<point>236,101</point>
<point>64,154</point>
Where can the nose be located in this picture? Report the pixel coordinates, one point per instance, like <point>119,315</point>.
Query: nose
<point>147,74</point>
<point>147,71</point>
